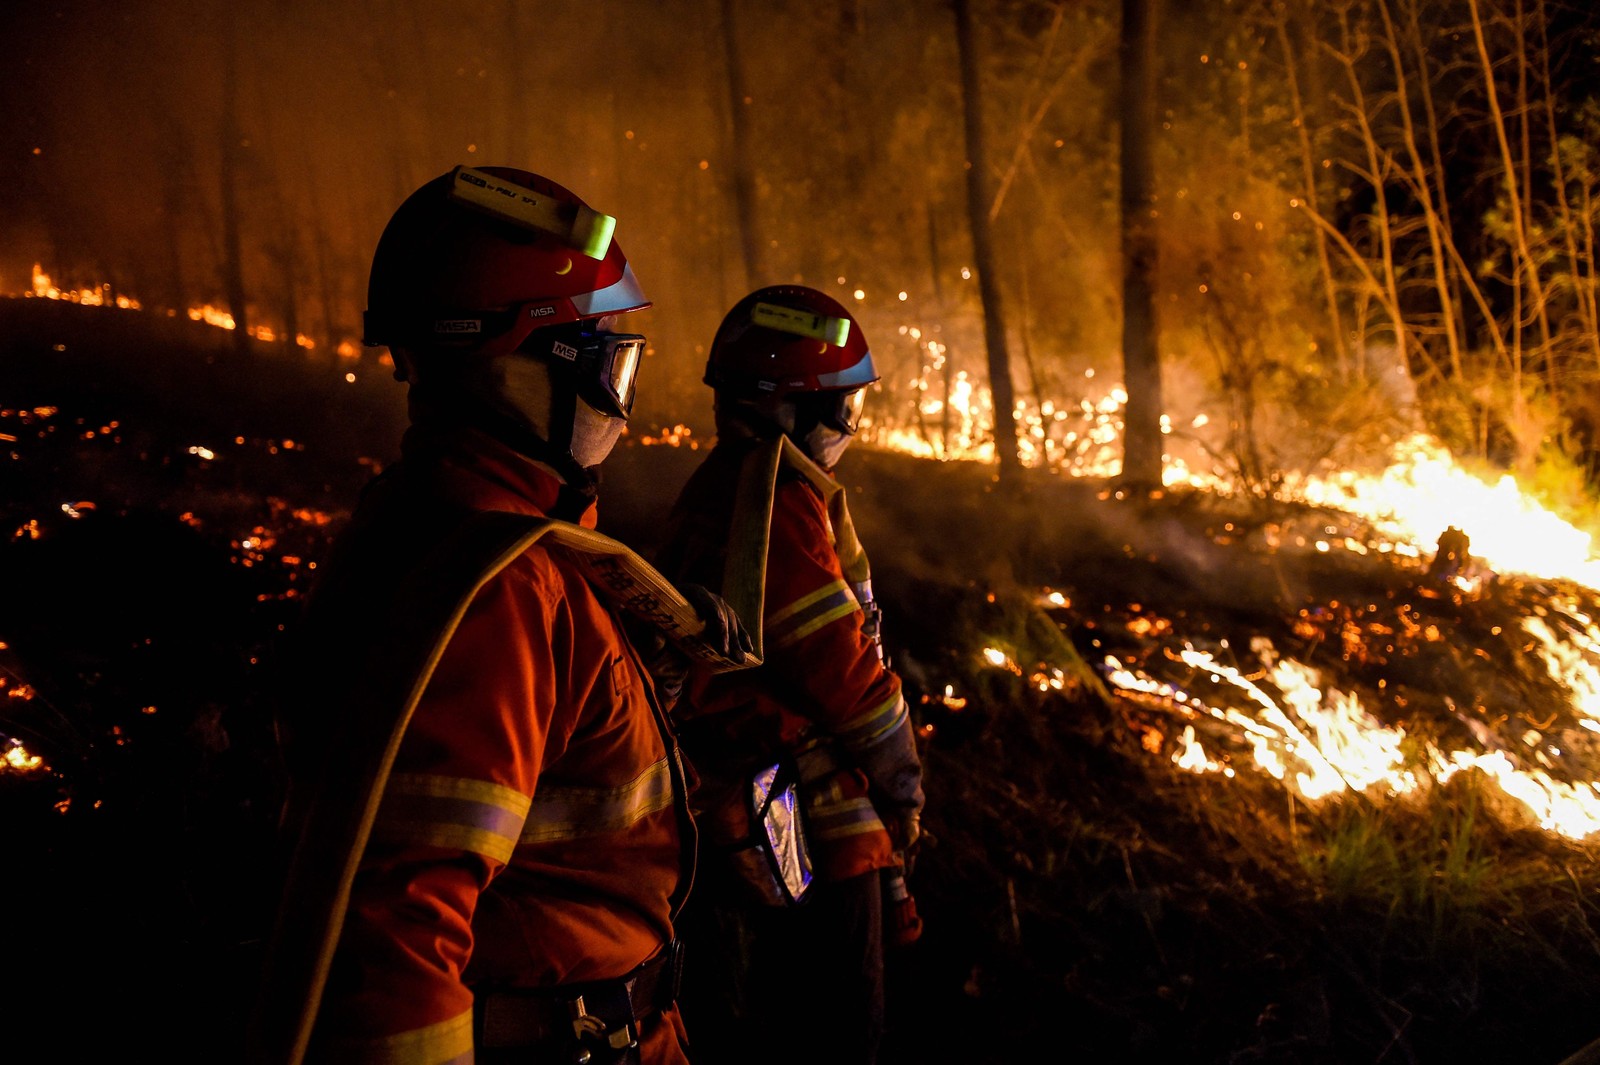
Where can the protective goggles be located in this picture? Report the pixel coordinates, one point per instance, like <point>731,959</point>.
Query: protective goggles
<point>843,411</point>
<point>604,365</point>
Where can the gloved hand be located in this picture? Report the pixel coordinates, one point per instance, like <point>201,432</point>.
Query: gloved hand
<point>724,632</point>
<point>905,829</point>
<point>894,774</point>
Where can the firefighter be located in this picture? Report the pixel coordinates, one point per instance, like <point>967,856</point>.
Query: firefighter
<point>788,367</point>
<point>515,836</point>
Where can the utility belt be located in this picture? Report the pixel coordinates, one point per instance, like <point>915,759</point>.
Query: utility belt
<point>597,1022</point>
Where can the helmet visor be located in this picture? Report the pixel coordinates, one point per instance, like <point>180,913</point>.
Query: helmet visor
<point>604,366</point>
<point>844,411</point>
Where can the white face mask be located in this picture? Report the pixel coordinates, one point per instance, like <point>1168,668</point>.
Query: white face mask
<point>826,445</point>
<point>524,389</point>
<point>594,434</point>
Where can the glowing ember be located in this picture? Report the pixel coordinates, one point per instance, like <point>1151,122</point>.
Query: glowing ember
<point>44,287</point>
<point>1000,660</point>
<point>677,436</point>
<point>15,758</point>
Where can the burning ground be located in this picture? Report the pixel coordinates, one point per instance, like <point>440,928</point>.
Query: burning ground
<point>1233,782</point>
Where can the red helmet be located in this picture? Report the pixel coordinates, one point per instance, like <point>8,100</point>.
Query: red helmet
<point>480,258</point>
<point>787,340</point>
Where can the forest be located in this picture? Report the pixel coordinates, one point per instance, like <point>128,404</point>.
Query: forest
<point>1198,324</point>
<point>1367,218</point>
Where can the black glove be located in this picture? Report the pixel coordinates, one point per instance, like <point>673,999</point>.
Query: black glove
<point>724,632</point>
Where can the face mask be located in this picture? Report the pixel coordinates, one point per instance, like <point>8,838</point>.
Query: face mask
<point>826,445</point>
<point>526,390</point>
<point>594,434</point>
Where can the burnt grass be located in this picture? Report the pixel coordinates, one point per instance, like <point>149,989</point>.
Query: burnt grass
<point>1084,899</point>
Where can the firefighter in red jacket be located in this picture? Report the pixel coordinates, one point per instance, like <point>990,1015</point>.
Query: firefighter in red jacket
<point>788,366</point>
<point>531,843</point>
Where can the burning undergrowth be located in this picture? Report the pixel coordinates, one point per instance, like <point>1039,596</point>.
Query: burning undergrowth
<point>1236,782</point>
<point>1204,789</point>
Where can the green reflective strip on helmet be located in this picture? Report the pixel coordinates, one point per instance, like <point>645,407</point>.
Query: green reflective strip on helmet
<point>834,331</point>
<point>597,239</point>
<point>582,228</point>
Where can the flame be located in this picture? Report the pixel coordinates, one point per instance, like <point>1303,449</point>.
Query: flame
<point>44,287</point>
<point>1572,662</point>
<point>1323,742</point>
<point>1419,491</point>
<point>1423,489</point>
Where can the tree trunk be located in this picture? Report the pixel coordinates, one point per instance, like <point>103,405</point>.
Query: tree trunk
<point>1141,361</point>
<point>232,255</point>
<point>1308,172</point>
<point>994,330</point>
<point>744,177</point>
<point>516,88</point>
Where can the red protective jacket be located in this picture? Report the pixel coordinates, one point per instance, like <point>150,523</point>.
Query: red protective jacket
<point>531,833</point>
<point>822,678</point>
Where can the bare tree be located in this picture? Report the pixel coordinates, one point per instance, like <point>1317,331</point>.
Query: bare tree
<point>1141,360</point>
<point>1001,390</point>
<point>232,164</point>
<point>744,176</point>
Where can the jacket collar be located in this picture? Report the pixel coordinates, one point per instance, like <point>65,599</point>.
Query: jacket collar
<point>469,467</point>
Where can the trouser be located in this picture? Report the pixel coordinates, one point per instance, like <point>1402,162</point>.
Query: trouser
<point>802,984</point>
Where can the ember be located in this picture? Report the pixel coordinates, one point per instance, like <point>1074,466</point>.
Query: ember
<point>45,288</point>
<point>15,758</point>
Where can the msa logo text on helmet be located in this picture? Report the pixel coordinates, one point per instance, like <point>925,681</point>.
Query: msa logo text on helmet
<point>458,325</point>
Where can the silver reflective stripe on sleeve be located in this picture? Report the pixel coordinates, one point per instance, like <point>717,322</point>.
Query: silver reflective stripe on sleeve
<point>572,811</point>
<point>453,812</point>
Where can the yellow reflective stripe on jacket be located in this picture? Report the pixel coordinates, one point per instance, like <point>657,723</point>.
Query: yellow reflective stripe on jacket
<point>446,1043</point>
<point>809,613</point>
<point>454,812</point>
<point>571,811</point>
<point>874,725</point>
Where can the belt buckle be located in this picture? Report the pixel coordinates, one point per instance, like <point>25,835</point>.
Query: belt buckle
<point>589,1030</point>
